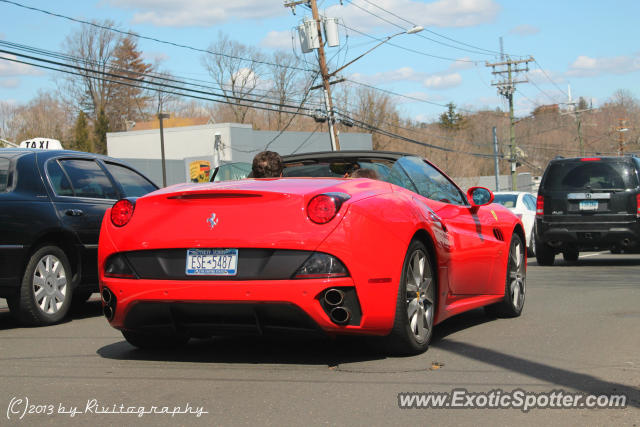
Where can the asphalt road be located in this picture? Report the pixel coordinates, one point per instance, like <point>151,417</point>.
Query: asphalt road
<point>580,332</point>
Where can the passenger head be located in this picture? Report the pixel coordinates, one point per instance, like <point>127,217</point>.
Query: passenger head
<point>266,164</point>
<point>364,173</point>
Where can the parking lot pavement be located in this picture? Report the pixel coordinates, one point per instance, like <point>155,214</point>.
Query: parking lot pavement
<point>578,333</point>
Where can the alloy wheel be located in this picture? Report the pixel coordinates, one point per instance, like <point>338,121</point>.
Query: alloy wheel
<point>50,284</point>
<point>420,295</point>
<point>517,277</point>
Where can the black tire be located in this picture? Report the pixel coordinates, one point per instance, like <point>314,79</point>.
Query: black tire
<point>570,255</point>
<point>412,333</point>
<point>531,249</point>
<point>515,283</point>
<point>45,291</point>
<point>149,341</point>
<point>545,255</point>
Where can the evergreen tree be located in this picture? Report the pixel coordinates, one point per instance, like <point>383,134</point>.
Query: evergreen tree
<point>81,139</point>
<point>582,104</point>
<point>128,102</point>
<point>451,119</point>
<point>100,129</point>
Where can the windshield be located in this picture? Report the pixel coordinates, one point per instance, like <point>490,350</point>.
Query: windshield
<point>339,168</point>
<point>590,175</point>
<point>506,200</point>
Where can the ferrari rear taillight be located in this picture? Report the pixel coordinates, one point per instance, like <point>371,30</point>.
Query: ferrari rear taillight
<point>323,207</point>
<point>638,205</point>
<point>540,205</point>
<point>122,212</point>
<point>321,266</point>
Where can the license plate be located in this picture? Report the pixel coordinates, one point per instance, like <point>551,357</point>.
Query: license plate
<point>589,205</point>
<point>212,262</point>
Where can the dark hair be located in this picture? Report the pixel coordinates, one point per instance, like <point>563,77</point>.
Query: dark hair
<point>364,173</point>
<point>266,164</point>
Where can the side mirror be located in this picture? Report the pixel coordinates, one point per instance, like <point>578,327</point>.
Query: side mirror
<point>479,196</point>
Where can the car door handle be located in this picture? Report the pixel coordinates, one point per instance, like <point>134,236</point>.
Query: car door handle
<point>74,212</point>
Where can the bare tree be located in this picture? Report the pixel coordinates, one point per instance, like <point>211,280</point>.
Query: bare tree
<point>375,109</point>
<point>239,79</point>
<point>289,85</point>
<point>92,51</point>
<point>44,116</point>
<point>8,112</point>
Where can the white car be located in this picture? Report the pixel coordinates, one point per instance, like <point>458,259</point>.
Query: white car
<point>524,206</point>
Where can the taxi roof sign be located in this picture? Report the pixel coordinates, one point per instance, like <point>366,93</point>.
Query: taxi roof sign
<point>42,144</point>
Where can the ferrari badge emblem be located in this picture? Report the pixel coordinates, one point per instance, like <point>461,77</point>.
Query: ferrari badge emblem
<point>213,221</point>
<point>494,214</point>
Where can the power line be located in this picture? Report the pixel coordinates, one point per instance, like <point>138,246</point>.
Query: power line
<point>406,48</point>
<point>114,75</point>
<point>413,98</point>
<point>183,92</point>
<point>550,79</point>
<point>428,30</point>
<point>375,129</point>
<point>128,33</point>
<point>152,75</point>
<point>419,35</point>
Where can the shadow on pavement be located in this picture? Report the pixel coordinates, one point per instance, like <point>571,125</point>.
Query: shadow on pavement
<point>307,350</point>
<point>91,308</point>
<point>561,377</point>
<point>257,349</point>
<point>460,322</point>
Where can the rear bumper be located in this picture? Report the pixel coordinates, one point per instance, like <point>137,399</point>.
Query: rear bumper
<point>588,235</point>
<point>217,307</point>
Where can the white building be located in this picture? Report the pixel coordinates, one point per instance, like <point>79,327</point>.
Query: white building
<point>215,143</point>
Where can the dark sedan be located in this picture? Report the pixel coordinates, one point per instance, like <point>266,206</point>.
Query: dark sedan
<point>51,207</point>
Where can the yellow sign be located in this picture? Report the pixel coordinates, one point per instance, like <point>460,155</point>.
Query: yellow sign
<point>200,170</point>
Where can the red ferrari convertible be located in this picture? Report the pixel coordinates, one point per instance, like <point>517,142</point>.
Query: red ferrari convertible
<point>311,251</point>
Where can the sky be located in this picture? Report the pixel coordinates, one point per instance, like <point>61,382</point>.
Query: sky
<point>590,46</point>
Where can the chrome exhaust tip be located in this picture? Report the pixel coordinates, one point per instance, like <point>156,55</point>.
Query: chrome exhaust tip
<point>340,315</point>
<point>108,312</point>
<point>106,295</point>
<point>334,297</point>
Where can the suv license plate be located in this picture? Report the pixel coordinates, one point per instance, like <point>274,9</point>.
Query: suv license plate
<point>589,205</point>
<point>212,262</point>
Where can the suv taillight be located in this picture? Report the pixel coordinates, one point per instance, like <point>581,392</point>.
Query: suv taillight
<point>540,206</point>
<point>638,205</point>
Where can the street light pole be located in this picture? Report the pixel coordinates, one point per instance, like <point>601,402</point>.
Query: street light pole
<point>413,30</point>
<point>164,168</point>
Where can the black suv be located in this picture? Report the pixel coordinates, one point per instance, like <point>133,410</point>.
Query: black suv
<point>51,209</point>
<point>588,203</point>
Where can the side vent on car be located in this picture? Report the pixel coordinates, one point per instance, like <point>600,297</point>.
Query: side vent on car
<point>498,233</point>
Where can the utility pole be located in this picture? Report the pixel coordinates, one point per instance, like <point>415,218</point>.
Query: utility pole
<point>577,114</point>
<point>162,116</point>
<point>506,87</point>
<point>496,166</point>
<point>621,129</point>
<point>322,60</point>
